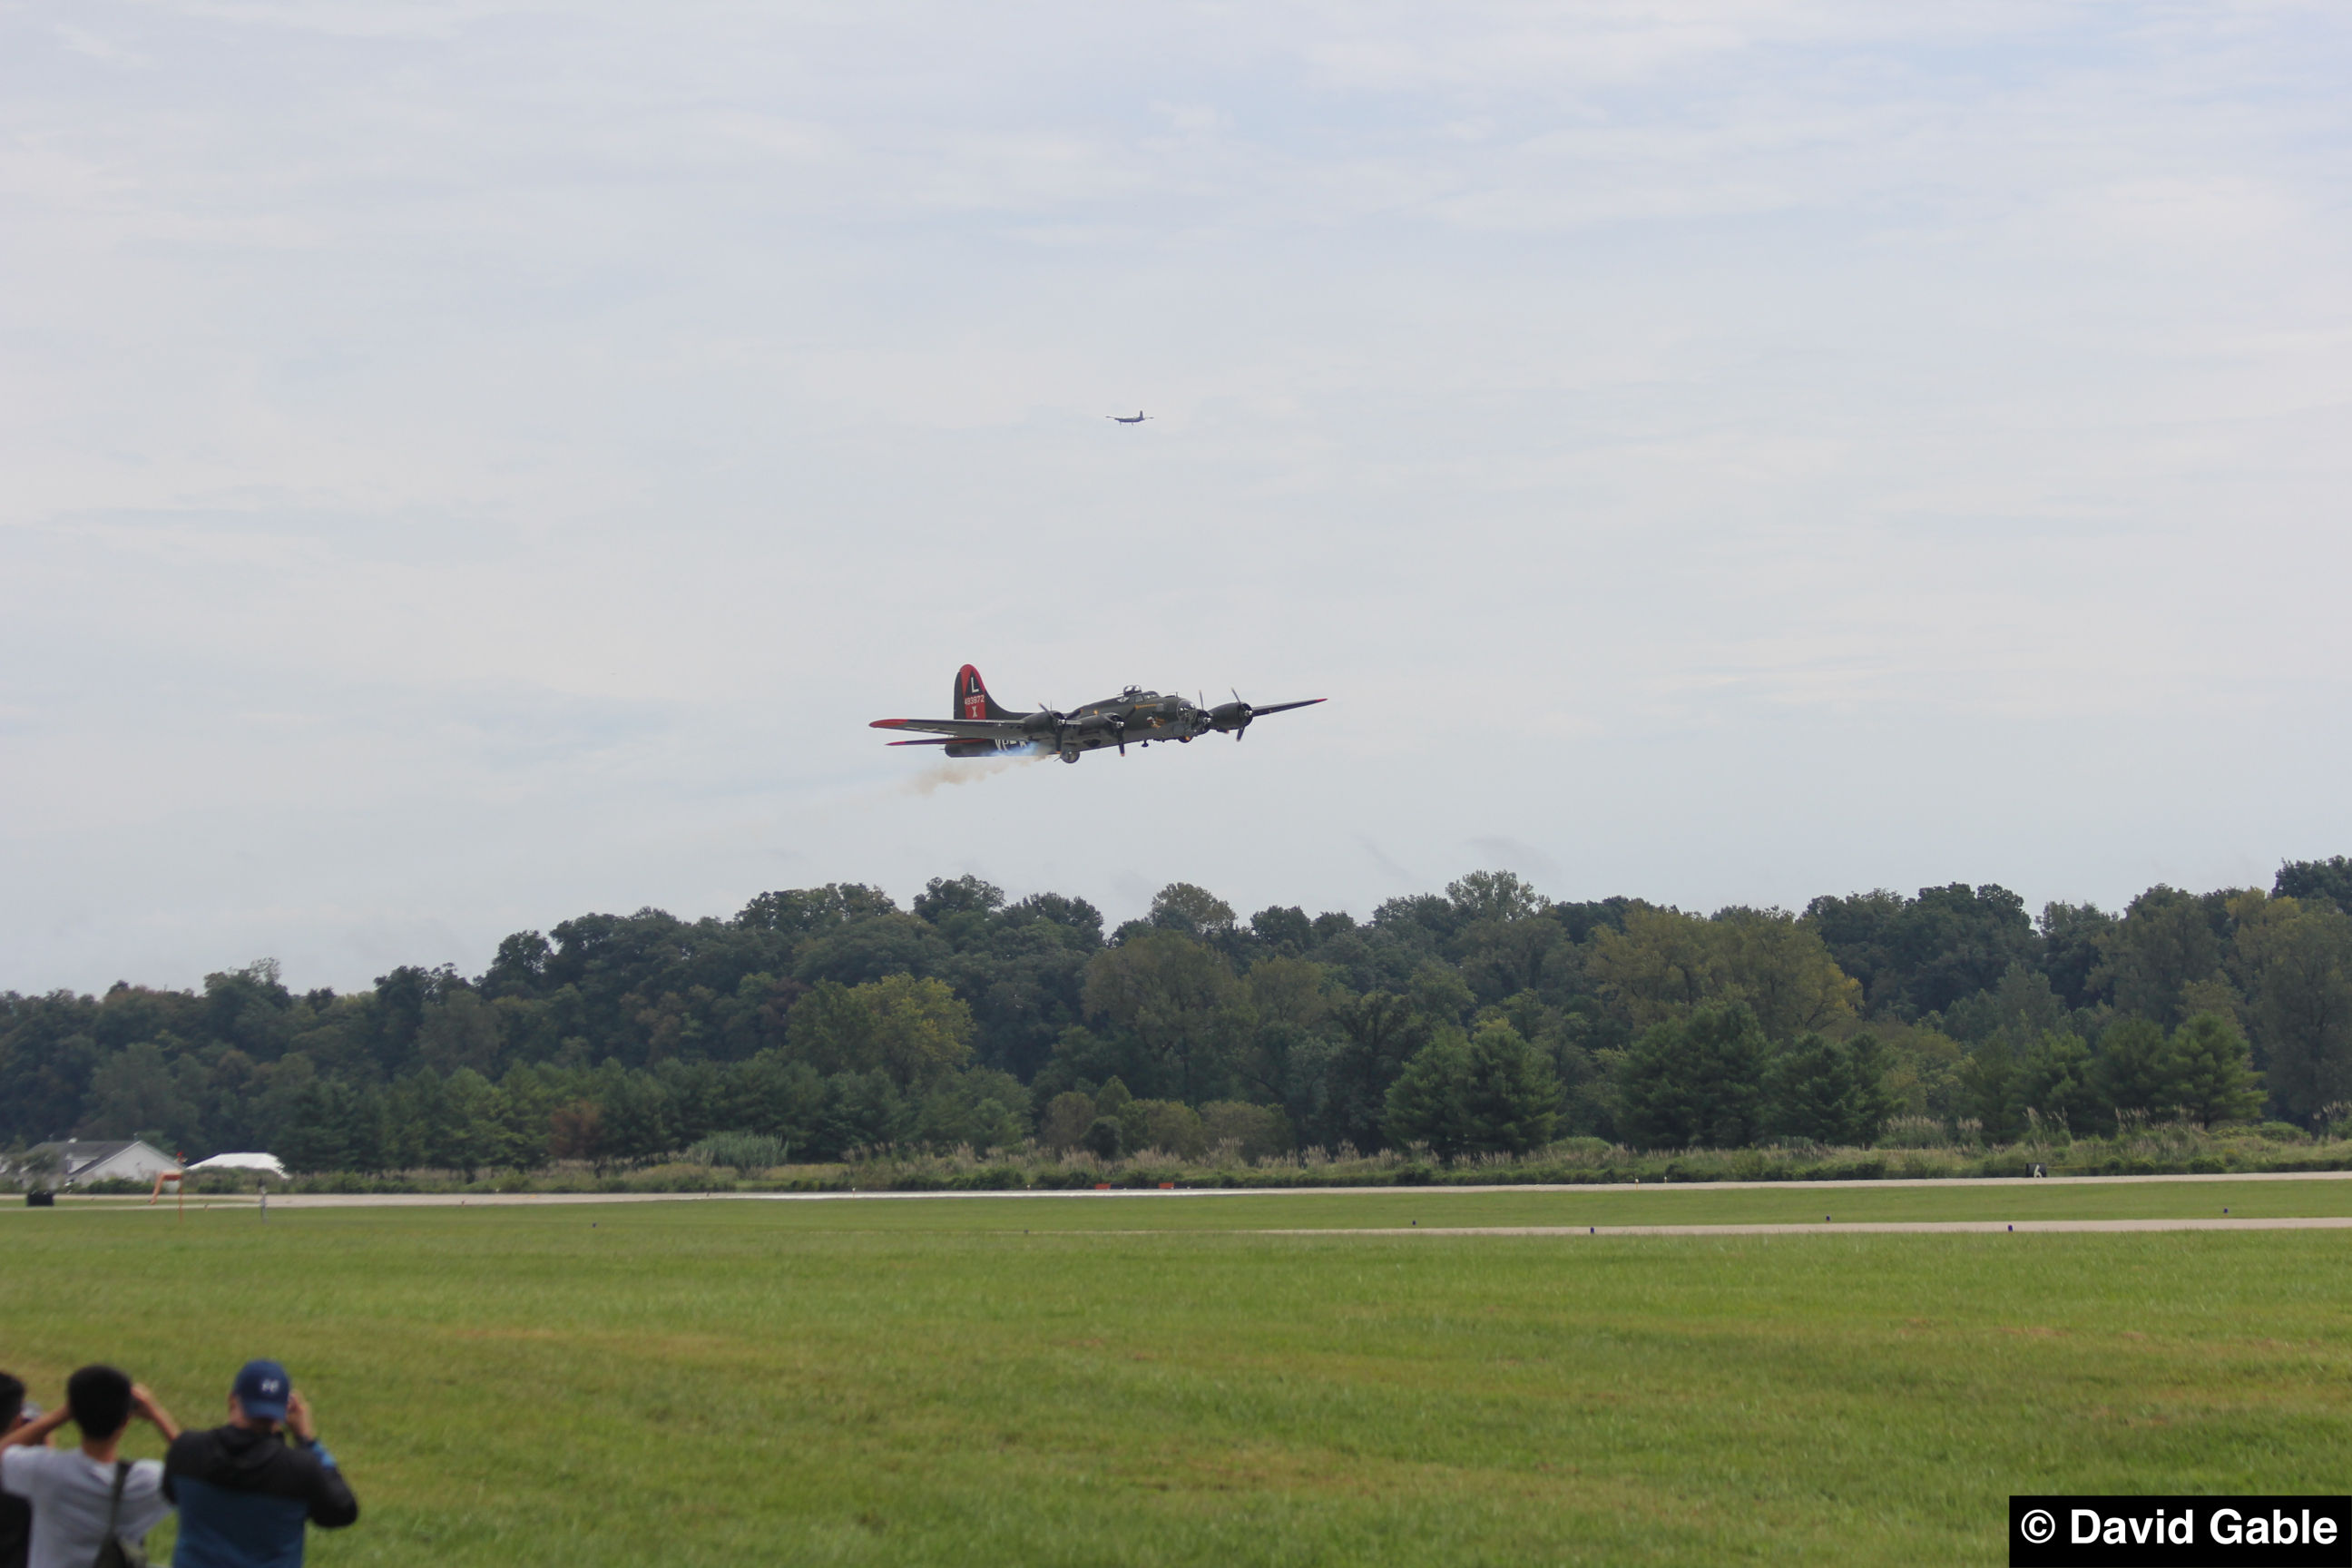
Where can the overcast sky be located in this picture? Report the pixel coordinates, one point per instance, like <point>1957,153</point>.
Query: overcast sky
<point>466,465</point>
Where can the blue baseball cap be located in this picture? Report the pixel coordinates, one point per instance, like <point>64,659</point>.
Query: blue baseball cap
<point>261,1388</point>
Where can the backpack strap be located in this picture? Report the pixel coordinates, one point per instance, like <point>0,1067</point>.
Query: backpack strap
<point>107,1546</point>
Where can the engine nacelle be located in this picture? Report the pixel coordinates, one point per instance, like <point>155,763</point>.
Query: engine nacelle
<point>1227,717</point>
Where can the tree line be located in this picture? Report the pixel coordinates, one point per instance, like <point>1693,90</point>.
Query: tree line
<point>1485,1020</point>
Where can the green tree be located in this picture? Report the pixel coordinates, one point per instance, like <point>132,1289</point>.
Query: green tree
<point>250,1008</point>
<point>872,949</point>
<point>1828,1090</point>
<point>2073,939</point>
<point>575,1131</point>
<point>831,1028</point>
<point>324,1128</point>
<point>1113,1099</point>
<point>1955,941</point>
<point>983,1109</point>
<point>1424,1104</point>
<point>2055,1081</point>
<point>2213,1071</point>
<point>632,1113</point>
<point>1662,964</point>
<point>458,1030</point>
<point>136,1092</point>
<point>1502,958</point>
<point>1169,1125</point>
<point>1873,1103</point>
<point>2294,961</point>
<point>1920,955</point>
<point>946,898</point>
<point>1659,967</point>
<point>2166,940</point>
<point>1024,977</point>
<point>1381,1033</point>
<point>1782,970</point>
<point>1989,1089</point>
<point>1859,931</point>
<point>783,1098</point>
<point>1179,998</point>
<point>2134,1071</point>
<point>1284,930</point>
<point>1923,1069</point>
<point>922,1029</point>
<point>2312,880</point>
<point>1512,1098</point>
<point>1255,1131</point>
<point>2023,1007</point>
<point>915,1031</point>
<point>1289,991</point>
<point>1697,1080</point>
<point>1067,1117</point>
<point>1104,1138</point>
<point>1439,994</point>
<point>805,911</point>
<point>1495,896</point>
<point>479,1127</point>
<point>863,1110</point>
<point>1489,1093</point>
<point>1084,1059</point>
<point>528,1097</point>
<point>1192,912</point>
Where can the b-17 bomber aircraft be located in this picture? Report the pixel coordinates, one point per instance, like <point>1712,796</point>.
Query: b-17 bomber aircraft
<point>981,729</point>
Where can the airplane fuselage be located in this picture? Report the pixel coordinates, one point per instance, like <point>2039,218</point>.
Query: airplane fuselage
<point>1134,717</point>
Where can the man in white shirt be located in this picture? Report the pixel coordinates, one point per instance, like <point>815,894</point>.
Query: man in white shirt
<point>74,1492</point>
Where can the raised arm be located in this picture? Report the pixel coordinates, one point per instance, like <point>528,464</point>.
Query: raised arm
<point>33,1434</point>
<point>142,1403</point>
<point>332,1503</point>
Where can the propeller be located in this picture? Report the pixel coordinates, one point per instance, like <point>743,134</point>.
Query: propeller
<point>1047,724</point>
<point>1233,717</point>
<point>1236,715</point>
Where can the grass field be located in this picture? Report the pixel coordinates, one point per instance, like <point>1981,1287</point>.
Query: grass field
<point>1154,1381</point>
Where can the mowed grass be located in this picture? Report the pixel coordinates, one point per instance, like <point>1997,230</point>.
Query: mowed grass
<point>1138,1380</point>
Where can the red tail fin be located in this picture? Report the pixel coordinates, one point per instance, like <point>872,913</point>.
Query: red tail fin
<point>972,697</point>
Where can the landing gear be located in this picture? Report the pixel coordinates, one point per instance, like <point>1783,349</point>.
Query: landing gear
<point>1069,754</point>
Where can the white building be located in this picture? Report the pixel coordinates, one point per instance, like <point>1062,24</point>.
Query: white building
<point>79,1163</point>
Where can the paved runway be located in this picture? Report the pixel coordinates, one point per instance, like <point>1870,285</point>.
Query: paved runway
<point>1866,1227</point>
<point>1973,1183</point>
<point>1891,1227</point>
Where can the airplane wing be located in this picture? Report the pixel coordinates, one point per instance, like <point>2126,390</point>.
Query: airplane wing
<point>958,729</point>
<point>1286,707</point>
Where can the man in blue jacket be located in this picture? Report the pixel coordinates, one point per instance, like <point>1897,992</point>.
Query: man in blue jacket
<point>244,1490</point>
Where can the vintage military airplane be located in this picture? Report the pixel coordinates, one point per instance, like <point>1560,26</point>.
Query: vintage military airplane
<point>981,729</point>
<point>1122,420</point>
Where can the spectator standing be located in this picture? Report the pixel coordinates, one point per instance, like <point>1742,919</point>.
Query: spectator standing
<point>244,1490</point>
<point>16,1513</point>
<point>87,1500</point>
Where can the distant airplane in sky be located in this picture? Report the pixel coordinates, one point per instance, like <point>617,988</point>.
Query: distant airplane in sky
<point>981,729</point>
<point>1123,419</point>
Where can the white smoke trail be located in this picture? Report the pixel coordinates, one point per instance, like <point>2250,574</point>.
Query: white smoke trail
<point>970,770</point>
